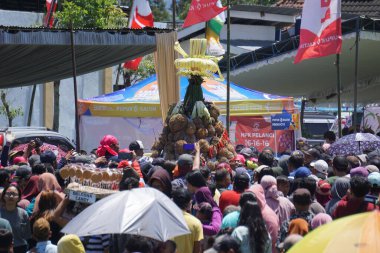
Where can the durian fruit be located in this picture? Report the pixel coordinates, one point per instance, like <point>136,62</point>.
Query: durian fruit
<point>202,133</point>
<point>179,136</point>
<point>178,147</point>
<point>223,152</point>
<point>191,128</point>
<point>177,123</point>
<point>219,129</point>
<point>190,138</point>
<point>211,130</point>
<point>214,141</point>
<point>204,145</point>
<point>214,111</point>
<point>198,122</point>
<point>169,148</point>
<point>230,147</point>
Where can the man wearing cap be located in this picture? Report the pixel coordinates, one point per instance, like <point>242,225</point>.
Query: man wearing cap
<point>319,169</point>
<point>374,181</point>
<point>184,165</point>
<point>138,147</point>
<point>49,159</point>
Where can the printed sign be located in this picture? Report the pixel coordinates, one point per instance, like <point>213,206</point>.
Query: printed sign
<point>285,121</point>
<point>257,132</point>
<point>281,121</point>
<point>82,197</point>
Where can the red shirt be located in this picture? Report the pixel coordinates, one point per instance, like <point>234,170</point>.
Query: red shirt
<point>228,198</point>
<point>347,207</point>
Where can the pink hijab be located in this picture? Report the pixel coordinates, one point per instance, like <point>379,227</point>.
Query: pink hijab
<point>282,206</point>
<point>270,217</point>
<point>104,147</point>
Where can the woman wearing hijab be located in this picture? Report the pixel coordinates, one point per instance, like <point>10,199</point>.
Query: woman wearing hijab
<point>203,194</point>
<point>298,226</point>
<point>161,181</point>
<point>338,191</point>
<point>270,217</point>
<point>109,147</point>
<point>282,206</point>
<point>31,189</point>
<point>48,182</point>
<point>320,219</point>
<point>70,243</point>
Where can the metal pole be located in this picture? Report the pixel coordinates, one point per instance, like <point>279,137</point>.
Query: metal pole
<point>228,69</point>
<point>338,92</point>
<point>77,138</point>
<point>174,5</point>
<point>31,105</point>
<point>355,116</point>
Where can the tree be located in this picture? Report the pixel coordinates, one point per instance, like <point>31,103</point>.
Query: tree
<point>159,10</point>
<point>8,111</point>
<point>146,69</point>
<point>91,14</point>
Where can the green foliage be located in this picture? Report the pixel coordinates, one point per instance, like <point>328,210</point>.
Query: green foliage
<point>91,14</point>
<point>146,69</point>
<point>184,5</point>
<point>159,11</point>
<point>5,109</point>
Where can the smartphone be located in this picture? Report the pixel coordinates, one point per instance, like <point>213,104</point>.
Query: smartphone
<point>125,156</point>
<point>188,147</point>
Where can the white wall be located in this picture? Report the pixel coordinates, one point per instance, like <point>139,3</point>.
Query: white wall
<point>250,32</point>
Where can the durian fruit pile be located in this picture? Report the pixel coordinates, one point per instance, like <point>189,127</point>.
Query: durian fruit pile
<point>203,126</point>
<point>194,120</point>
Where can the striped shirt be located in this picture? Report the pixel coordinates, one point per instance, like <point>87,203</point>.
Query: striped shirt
<point>96,243</point>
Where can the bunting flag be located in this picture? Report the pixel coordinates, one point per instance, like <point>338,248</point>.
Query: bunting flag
<point>202,11</point>
<point>141,16</point>
<point>213,29</point>
<point>321,29</point>
<point>51,7</point>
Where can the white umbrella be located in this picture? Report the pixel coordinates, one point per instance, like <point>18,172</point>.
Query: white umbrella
<point>143,211</point>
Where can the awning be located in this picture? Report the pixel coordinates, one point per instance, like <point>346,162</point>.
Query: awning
<point>142,100</point>
<point>37,55</point>
<point>272,69</point>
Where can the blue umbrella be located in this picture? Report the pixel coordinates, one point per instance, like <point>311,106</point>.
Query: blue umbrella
<point>354,144</point>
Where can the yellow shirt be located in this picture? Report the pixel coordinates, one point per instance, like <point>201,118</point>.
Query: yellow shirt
<point>185,243</point>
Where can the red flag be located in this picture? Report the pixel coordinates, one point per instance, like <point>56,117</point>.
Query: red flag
<point>321,29</point>
<point>141,16</point>
<point>133,64</point>
<point>51,6</point>
<point>202,11</point>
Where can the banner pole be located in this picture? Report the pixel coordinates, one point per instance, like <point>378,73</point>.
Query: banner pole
<point>228,68</point>
<point>355,116</point>
<point>339,98</point>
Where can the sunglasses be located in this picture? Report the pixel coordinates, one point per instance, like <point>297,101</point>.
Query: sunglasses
<point>11,194</point>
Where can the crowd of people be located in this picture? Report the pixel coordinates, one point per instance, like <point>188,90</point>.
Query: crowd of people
<point>255,202</point>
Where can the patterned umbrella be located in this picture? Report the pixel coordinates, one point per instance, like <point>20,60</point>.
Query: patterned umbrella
<point>44,147</point>
<point>354,144</point>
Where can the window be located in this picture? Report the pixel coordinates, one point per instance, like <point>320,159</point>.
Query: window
<point>23,5</point>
